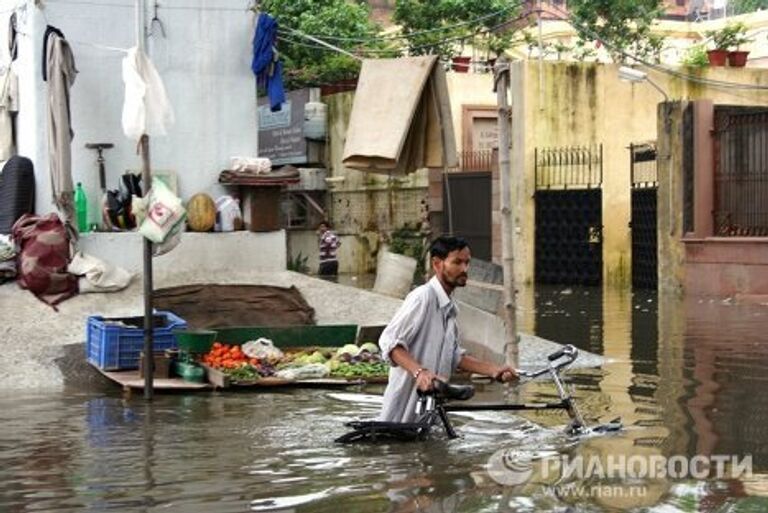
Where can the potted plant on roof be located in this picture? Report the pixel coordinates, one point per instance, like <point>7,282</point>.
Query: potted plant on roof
<point>738,58</point>
<point>726,41</point>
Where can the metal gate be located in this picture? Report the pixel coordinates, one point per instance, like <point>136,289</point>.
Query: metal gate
<point>467,208</point>
<point>643,221</point>
<point>569,220</point>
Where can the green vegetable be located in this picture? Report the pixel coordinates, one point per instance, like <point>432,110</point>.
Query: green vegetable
<point>350,349</point>
<point>360,370</point>
<point>243,373</point>
<point>370,347</point>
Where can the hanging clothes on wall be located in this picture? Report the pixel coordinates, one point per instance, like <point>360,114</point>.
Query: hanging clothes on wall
<point>49,31</point>
<point>266,62</point>
<point>60,71</point>
<point>9,95</point>
<point>12,36</point>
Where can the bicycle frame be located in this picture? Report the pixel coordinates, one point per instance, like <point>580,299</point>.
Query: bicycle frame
<point>433,410</point>
<point>433,406</point>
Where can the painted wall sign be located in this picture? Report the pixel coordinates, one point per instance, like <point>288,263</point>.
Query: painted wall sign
<point>281,134</point>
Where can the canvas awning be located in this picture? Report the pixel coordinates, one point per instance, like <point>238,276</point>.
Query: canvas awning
<point>401,118</point>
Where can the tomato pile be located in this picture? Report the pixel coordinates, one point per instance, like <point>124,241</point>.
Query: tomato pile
<point>226,356</point>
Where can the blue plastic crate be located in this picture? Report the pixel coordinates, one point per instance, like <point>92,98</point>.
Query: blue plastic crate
<point>117,343</point>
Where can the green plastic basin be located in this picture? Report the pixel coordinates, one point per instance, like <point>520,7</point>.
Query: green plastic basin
<point>195,341</point>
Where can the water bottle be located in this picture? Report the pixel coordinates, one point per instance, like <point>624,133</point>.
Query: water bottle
<point>81,208</point>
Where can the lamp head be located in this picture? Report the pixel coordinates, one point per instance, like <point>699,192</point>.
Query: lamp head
<point>631,74</point>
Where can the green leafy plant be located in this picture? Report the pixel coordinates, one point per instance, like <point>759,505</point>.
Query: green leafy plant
<point>298,264</point>
<point>440,26</point>
<point>344,24</point>
<point>560,49</point>
<point>730,37</point>
<point>623,26</point>
<point>696,57</point>
<point>409,241</point>
<point>495,44</point>
<point>582,52</point>
<point>744,6</point>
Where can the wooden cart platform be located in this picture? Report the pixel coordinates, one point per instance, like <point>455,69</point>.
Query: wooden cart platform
<point>130,379</point>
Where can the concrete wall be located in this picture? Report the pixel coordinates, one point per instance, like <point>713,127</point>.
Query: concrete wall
<point>356,255</point>
<point>234,253</point>
<point>695,262</point>
<point>726,267</point>
<point>471,89</point>
<point>669,221</point>
<point>204,63</point>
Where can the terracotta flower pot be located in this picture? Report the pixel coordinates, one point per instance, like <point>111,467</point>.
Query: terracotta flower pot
<point>717,57</point>
<point>461,64</point>
<point>737,59</point>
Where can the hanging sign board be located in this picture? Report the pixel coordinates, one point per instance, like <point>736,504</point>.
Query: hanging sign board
<point>281,134</point>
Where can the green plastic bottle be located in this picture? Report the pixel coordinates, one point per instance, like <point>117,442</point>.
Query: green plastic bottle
<point>81,208</point>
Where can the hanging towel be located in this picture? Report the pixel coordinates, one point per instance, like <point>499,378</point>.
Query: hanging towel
<point>146,109</point>
<point>266,63</point>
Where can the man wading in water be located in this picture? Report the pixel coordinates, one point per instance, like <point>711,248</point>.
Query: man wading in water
<point>421,342</point>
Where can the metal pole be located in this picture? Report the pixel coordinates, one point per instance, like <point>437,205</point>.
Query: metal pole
<point>149,360</point>
<point>501,82</point>
<point>146,182</point>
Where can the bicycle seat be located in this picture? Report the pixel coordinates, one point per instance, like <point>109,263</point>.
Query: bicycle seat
<point>443,390</point>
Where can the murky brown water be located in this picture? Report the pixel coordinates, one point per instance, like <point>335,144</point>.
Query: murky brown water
<point>686,382</point>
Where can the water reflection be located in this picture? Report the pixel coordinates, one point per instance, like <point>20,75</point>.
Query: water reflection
<point>683,375</point>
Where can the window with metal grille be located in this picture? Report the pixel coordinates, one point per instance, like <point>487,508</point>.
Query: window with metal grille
<point>741,172</point>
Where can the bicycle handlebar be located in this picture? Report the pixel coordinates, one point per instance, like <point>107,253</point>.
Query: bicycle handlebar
<point>568,352</point>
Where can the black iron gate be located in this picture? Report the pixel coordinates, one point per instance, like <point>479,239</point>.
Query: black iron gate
<point>643,221</point>
<point>467,207</point>
<point>569,220</point>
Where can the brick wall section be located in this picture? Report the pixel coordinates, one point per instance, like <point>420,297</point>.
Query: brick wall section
<point>378,210</point>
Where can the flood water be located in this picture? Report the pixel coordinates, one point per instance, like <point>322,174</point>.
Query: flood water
<point>685,377</point>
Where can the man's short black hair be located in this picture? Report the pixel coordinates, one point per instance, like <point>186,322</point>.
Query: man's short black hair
<point>443,245</point>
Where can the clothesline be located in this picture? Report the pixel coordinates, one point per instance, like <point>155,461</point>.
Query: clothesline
<point>98,46</point>
<point>87,43</point>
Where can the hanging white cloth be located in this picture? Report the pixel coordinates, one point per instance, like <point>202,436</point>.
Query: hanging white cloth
<point>9,94</point>
<point>146,109</point>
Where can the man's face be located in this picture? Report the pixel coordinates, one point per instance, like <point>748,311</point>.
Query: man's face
<point>321,229</point>
<point>453,270</point>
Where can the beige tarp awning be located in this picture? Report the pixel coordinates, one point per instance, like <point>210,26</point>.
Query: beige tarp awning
<point>401,118</point>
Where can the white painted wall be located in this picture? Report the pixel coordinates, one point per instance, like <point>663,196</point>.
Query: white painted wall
<point>204,63</point>
<point>211,254</point>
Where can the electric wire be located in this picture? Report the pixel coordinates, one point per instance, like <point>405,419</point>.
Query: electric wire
<point>380,51</point>
<point>409,35</point>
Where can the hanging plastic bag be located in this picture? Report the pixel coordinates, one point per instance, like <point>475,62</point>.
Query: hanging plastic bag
<point>263,349</point>
<point>164,212</point>
<point>228,215</point>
